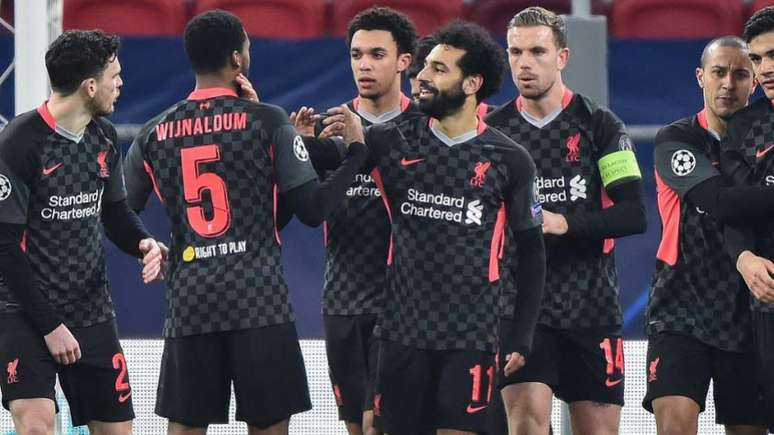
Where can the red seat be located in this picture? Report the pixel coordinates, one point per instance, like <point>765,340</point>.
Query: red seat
<point>428,15</point>
<point>496,14</point>
<point>757,5</point>
<point>128,17</point>
<point>676,18</point>
<point>275,18</point>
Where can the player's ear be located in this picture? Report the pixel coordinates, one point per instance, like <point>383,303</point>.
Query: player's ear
<point>471,84</point>
<point>89,86</point>
<point>404,61</point>
<point>563,58</point>
<point>236,60</point>
<point>700,76</point>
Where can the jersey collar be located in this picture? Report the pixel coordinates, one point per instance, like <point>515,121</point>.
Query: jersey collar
<point>204,94</point>
<point>46,115</point>
<point>701,117</point>
<point>405,102</point>
<point>566,99</point>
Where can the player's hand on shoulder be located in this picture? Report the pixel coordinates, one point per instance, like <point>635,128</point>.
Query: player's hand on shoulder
<point>345,123</point>
<point>757,273</point>
<point>152,260</point>
<point>515,361</point>
<point>304,120</point>
<point>554,223</point>
<point>62,345</point>
<point>246,89</point>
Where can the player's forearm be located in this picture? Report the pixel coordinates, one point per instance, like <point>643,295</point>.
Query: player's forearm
<point>625,217</point>
<point>530,274</point>
<point>312,202</point>
<point>123,227</point>
<point>17,273</point>
<point>724,202</point>
<point>326,154</point>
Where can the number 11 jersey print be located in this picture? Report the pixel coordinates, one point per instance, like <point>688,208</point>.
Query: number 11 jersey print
<point>218,162</point>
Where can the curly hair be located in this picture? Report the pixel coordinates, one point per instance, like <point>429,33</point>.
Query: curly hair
<point>77,55</point>
<point>211,37</point>
<point>378,18</point>
<point>483,56</point>
<point>424,46</point>
<point>762,21</point>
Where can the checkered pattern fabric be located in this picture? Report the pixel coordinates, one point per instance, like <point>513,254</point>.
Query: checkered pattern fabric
<point>439,295</point>
<point>581,289</point>
<point>701,294</point>
<point>64,233</point>
<point>750,132</point>
<point>229,278</point>
<point>357,236</point>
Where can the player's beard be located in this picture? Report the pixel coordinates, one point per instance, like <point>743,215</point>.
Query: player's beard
<point>443,103</point>
<point>97,107</point>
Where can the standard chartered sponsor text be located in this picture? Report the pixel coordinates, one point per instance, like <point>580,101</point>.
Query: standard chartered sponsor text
<point>54,211</point>
<point>431,212</point>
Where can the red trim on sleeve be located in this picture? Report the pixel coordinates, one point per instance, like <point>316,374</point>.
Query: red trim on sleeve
<point>46,115</point>
<point>377,176</point>
<point>669,210</point>
<point>204,94</point>
<point>609,244</point>
<point>149,171</point>
<point>275,198</point>
<point>325,233</point>
<point>495,248</point>
<point>23,242</point>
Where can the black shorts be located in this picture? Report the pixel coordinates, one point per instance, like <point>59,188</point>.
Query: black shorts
<point>96,386</point>
<point>577,364</point>
<point>763,324</point>
<point>681,365</point>
<point>419,390</point>
<point>352,351</point>
<point>265,365</point>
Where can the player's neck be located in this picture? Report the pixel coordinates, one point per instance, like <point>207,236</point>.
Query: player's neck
<point>208,81</point>
<point>548,104</point>
<point>383,104</point>
<point>69,112</point>
<point>714,122</point>
<point>461,122</point>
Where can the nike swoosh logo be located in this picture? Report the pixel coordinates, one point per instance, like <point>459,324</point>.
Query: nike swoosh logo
<point>611,383</point>
<point>49,171</point>
<point>474,409</point>
<point>124,397</point>
<point>764,151</point>
<point>406,162</point>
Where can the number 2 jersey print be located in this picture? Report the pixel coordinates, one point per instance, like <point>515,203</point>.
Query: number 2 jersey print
<point>218,162</point>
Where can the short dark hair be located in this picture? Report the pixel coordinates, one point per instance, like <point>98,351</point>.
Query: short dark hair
<point>722,41</point>
<point>483,56</point>
<point>77,55</point>
<point>762,21</point>
<point>210,39</point>
<point>378,18</point>
<point>537,16</point>
<point>424,46</point>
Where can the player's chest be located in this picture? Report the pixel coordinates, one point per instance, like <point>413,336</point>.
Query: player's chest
<point>68,168</point>
<point>759,151</point>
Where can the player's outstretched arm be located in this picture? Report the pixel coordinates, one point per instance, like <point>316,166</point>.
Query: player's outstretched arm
<point>309,199</point>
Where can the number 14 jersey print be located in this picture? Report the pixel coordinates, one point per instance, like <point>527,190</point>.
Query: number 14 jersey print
<point>218,162</point>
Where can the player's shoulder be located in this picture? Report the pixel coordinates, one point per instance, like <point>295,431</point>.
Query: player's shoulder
<point>741,121</point>
<point>147,128</point>
<point>22,131</point>
<point>589,111</point>
<point>684,130</point>
<point>501,113</point>
<point>269,114</point>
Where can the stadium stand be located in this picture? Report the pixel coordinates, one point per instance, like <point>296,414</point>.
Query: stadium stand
<point>129,17</point>
<point>428,15</point>
<point>657,19</point>
<point>275,18</point>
